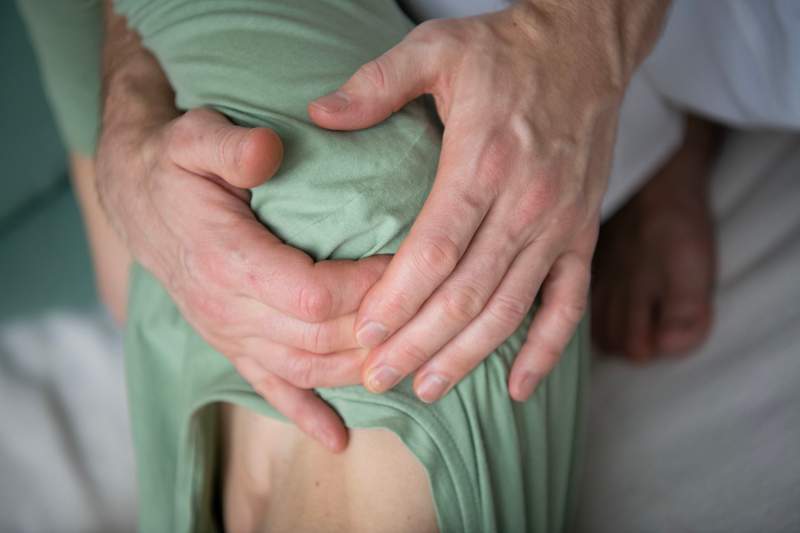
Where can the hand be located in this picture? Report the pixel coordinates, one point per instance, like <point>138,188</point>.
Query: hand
<point>175,188</point>
<point>529,97</point>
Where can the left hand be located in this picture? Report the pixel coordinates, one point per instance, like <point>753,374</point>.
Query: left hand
<point>529,97</point>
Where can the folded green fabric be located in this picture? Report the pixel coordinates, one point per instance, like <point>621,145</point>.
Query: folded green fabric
<point>493,464</point>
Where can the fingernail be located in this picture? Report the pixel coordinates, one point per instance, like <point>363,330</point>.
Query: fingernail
<point>526,385</point>
<point>382,379</point>
<point>371,334</point>
<point>332,103</point>
<point>432,387</point>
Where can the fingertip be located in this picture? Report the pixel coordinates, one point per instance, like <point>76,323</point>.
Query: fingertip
<point>260,157</point>
<point>380,378</point>
<point>522,386</point>
<point>333,113</point>
<point>326,111</point>
<point>331,103</point>
<point>335,438</point>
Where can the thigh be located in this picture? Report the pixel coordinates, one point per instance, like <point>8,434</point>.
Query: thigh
<point>110,257</point>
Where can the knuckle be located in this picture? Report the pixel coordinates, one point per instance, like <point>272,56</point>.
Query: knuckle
<point>316,338</point>
<point>475,199</point>
<point>542,194</point>
<point>300,371</point>
<point>408,352</point>
<point>437,255</point>
<point>315,302</point>
<point>398,304</point>
<point>508,310</point>
<point>437,34</point>
<point>572,310</point>
<point>180,137</point>
<point>374,72</point>
<point>463,303</point>
<point>534,207</point>
<point>229,143</point>
<point>427,30</point>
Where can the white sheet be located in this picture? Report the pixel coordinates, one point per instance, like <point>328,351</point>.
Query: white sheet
<point>711,441</point>
<point>65,445</point>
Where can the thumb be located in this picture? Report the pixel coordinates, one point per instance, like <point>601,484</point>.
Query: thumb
<point>376,90</point>
<point>206,143</point>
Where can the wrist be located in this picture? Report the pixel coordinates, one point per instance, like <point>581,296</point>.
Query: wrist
<point>619,32</point>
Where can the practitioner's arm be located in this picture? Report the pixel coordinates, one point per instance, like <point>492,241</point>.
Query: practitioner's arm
<point>529,97</point>
<point>175,188</point>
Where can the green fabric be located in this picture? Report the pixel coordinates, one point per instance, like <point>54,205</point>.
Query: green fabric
<point>67,37</point>
<point>494,465</point>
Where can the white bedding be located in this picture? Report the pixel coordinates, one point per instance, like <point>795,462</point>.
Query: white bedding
<point>711,441</point>
<point>65,448</point>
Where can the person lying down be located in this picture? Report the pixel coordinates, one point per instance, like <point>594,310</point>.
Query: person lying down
<point>212,454</point>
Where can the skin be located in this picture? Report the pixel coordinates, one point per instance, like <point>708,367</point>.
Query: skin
<point>110,258</point>
<point>523,168</point>
<point>655,262</point>
<point>276,479</point>
<point>174,187</point>
<point>523,173</point>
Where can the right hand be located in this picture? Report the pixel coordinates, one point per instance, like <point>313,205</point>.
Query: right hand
<point>177,192</point>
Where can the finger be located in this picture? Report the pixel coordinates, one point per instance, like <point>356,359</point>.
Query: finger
<point>254,319</point>
<point>304,408</point>
<point>204,142</point>
<point>379,88</point>
<point>320,338</point>
<point>258,265</point>
<point>564,299</point>
<point>502,315</point>
<point>445,314</point>
<point>304,369</point>
<point>349,281</point>
<point>430,252</point>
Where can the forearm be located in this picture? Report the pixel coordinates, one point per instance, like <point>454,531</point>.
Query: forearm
<point>137,100</point>
<point>621,33</point>
<point>136,92</point>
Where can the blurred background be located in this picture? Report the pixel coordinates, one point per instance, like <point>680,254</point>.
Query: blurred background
<point>705,442</point>
<point>66,459</point>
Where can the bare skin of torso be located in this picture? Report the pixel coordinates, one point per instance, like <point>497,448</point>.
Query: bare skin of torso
<point>276,479</point>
